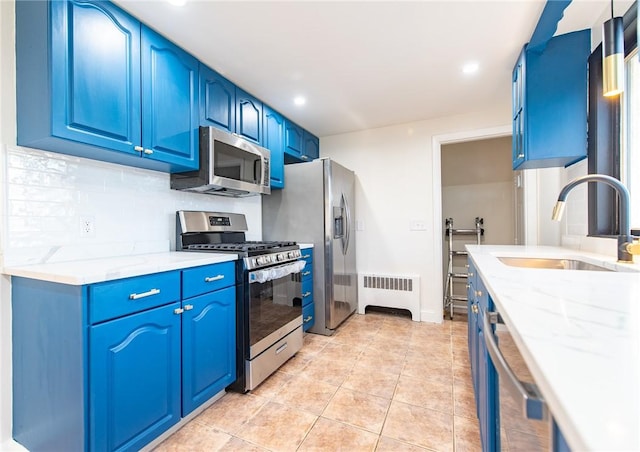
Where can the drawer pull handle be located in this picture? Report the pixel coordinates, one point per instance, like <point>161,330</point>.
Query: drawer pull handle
<point>138,148</point>
<point>306,294</point>
<point>178,311</point>
<point>281,348</point>
<point>137,296</point>
<point>148,151</point>
<point>308,319</point>
<point>213,278</point>
<point>306,273</point>
<point>474,308</point>
<point>188,307</point>
<point>306,256</point>
<point>478,293</point>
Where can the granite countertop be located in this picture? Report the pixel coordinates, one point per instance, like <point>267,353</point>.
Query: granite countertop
<point>105,269</point>
<point>579,333</point>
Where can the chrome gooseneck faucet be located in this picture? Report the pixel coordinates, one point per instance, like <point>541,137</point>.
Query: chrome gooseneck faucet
<point>626,245</point>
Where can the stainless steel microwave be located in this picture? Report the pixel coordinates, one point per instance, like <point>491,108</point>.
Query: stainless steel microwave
<point>229,166</point>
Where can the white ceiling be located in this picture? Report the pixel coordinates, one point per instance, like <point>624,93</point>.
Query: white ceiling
<point>361,64</point>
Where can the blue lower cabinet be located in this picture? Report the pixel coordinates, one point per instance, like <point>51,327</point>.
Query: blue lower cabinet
<point>208,346</point>
<point>134,379</point>
<point>306,277</point>
<point>111,366</point>
<point>308,317</point>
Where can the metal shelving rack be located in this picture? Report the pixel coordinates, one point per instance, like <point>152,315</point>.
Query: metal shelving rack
<point>450,299</point>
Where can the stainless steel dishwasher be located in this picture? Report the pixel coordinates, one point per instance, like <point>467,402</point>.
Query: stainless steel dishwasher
<point>524,422</point>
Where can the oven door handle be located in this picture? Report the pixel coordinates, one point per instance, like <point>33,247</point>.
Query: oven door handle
<point>271,273</point>
<point>533,405</point>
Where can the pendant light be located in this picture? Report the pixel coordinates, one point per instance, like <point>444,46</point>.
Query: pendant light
<point>613,56</point>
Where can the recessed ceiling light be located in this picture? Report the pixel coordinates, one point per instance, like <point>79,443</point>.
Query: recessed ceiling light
<point>470,68</point>
<point>177,2</point>
<point>299,100</point>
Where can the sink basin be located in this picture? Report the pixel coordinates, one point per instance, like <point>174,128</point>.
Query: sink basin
<point>550,263</point>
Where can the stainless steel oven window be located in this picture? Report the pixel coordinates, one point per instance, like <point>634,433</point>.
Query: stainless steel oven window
<point>273,304</point>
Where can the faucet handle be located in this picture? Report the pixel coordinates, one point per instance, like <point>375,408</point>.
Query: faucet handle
<point>633,247</point>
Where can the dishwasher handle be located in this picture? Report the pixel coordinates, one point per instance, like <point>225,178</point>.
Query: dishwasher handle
<point>533,405</point>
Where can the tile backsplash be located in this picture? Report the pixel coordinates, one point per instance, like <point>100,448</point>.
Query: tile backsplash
<point>48,196</point>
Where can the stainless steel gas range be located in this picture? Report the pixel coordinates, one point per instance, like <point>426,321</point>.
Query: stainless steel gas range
<point>268,295</point>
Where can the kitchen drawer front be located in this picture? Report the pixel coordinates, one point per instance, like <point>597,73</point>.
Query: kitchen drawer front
<point>113,299</point>
<point>200,280</point>
<point>307,255</point>
<point>308,316</point>
<point>307,291</point>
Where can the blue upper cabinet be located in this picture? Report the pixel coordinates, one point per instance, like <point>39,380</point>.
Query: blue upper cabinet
<point>248,116</point>
<point>95,95</point>
<point>80,70</point>
<point>273,139</point>
<point>169,102</point>
<point>549,87</point>
<point>293,140</point>
<point>217,100</point>
<point>311,149</point>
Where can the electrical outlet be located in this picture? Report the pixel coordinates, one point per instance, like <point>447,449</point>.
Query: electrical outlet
<point>87,227</point>
<point>418,225</point>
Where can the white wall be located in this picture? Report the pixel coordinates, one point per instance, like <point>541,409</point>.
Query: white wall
<point>44,195</point>
<point>395,186</point>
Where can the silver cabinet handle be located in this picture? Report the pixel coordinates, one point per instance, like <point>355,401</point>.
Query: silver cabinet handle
<point>306,256</point>
<point>308,319</point>
<point>138,148</point>
<point>188,307</point>
<point>474,308</point>
<point>148,151</point>
<point>137,296</point>
<point>533,405</point>
<point>178,311</point>
<point>213,278</point>
<point>306,273</point>
<point>281,348</point>
<point>470,274</point>
<point>478,293</point>
<point>306,294</point>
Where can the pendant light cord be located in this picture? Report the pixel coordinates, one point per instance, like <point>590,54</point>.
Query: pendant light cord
<point>612,9</point>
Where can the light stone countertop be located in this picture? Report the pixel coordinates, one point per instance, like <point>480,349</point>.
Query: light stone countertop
<point>90,271</point>
<point>579,333</point>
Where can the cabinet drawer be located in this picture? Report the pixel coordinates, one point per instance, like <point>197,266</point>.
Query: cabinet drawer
<point>113,299</point>
<point>308,316</point>
<point>199,280</point>
<point>307,291</point>
<point>307,255</point>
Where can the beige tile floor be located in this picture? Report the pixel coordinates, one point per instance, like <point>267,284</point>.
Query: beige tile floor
<point>382,383</point>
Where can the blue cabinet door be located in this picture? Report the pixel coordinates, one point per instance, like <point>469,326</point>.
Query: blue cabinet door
<point>487,397</point>
<point>273,139</point>
<point>95,75</point>
<point>208,346</point>
<point>311,149</point>
<point>169,103</point>
<point>549,89</point>
<point>248,116</point>
<point>293,140</point>
<point>217,100</point>
<point>134,379</point>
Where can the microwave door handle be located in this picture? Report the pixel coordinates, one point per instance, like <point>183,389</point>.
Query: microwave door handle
<point>256,167</point>
<point>533,405</point>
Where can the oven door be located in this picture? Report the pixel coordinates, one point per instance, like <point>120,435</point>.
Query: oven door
<point>275,305</point>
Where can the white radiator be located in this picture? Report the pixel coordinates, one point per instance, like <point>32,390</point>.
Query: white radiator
<point>402,292</point>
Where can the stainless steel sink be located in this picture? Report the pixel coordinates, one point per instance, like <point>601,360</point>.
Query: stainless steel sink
<point>550,263</point>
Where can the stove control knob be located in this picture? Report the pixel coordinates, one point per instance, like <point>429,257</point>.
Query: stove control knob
<point>260,260</point>
<point>280,257</point>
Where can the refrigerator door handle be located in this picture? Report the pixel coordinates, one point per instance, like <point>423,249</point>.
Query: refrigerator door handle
<point>347,232</point>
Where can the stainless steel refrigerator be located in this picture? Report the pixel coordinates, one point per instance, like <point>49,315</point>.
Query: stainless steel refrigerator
<point>317,206</point>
